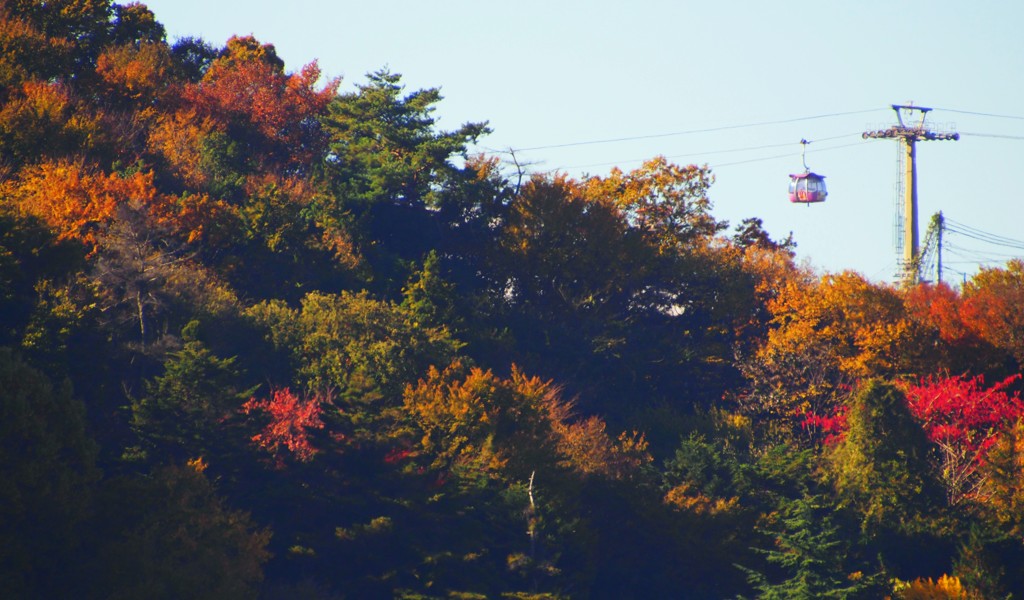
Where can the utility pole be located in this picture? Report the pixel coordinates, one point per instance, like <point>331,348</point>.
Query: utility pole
<point>909,135</point>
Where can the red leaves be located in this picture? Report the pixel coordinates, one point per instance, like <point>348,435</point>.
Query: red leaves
<point>291,418</point>
<point>959,410</point>
<point>964,421</point>
<point>831,426</point>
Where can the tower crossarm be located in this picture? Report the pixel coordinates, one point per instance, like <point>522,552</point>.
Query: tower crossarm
<point>910,133</point>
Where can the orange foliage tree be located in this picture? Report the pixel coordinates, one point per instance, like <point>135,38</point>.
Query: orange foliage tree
<point>823,336</point>
<point>136,73</point>
<point>247,90</point>
<point>77,201</point>
<point>994,307</point>
<point>954,332</point>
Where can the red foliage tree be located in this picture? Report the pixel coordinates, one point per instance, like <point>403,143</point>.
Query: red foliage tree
<point>964,419</point>
<point>290,420</point>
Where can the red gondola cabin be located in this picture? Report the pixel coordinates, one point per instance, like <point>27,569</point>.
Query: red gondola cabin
<point>807,187</point>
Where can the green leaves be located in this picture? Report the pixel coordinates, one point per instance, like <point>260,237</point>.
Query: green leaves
<point>383,145</point>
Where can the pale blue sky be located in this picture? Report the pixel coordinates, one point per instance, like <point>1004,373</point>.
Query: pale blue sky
<point>548,73</point>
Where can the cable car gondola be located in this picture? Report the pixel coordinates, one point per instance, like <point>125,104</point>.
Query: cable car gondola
<point>806,187</point>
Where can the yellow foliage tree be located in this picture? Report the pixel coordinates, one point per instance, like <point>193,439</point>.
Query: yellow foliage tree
<point>945,588</point>
<point>474,421</point>
<point>662,199</point>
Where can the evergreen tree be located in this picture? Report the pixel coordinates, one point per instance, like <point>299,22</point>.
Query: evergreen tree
<point>812,555</point>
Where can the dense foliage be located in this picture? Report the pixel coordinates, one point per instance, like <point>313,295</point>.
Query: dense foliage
<point>261,337</point>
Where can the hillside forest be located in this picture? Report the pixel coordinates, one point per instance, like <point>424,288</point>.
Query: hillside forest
<point>263,336</point>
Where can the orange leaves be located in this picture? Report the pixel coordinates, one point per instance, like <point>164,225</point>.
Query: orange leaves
<point>823,335</point>
<point>27,52</point>
<point>939,307</point>
<point>925,588</point>
<point>686,498</point>
<point>135,72</point>
<point>76,201</point>
<point>471,419</point>
<point>248,88</point>
<point>994,307</point>
<point>586,448</point>
<point>861,325</point>
<point>178,138</point>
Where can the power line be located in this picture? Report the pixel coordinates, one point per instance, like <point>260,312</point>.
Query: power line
<point>756,124</point>
<point>994,135</point>
<point>981,114</point>
<point>692,131</point>
<point>728,151</point>
<point>787,155</point>
<point>983,236</point>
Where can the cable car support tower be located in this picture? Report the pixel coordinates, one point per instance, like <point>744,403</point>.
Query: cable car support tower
<point>909,134</point>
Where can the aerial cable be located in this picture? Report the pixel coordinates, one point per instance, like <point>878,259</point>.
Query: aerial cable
<point>692,131</point>
<point>757,124</point>
<point>727,151</point>
<point>1013,246</point>
<point>992,239</point>
<point>980,114</point>
<point>994,135</point>
<point>787,155</point>
<point>983,236</point>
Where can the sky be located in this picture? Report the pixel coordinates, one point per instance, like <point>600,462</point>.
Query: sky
<point>582,86</point>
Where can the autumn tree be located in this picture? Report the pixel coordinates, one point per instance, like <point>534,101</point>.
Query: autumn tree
<point>136,74</point>
<point>665,201</point>
<point>78,200</point>
<point>28,52</point>
<point>46,119</point>
<point>482,423</point>
<point>273,114</point>
<point>823,336</point>
<point>289,421</point>
<point>950,334</point>
<point>992,305</point>
<point>964,420</point>
<point>80,27</point>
